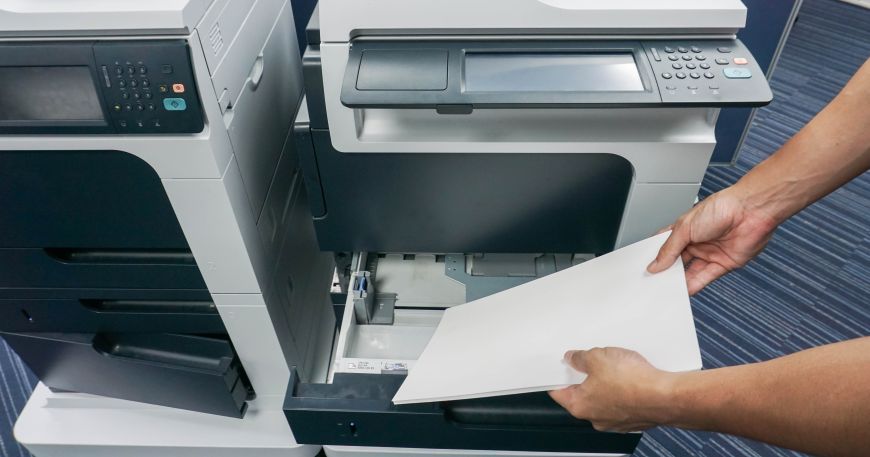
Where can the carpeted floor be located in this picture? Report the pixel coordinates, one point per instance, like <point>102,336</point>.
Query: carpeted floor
<point>811,285</point>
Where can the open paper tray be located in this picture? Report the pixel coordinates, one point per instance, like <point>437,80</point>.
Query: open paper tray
<point>478,395</point>
<point>512,342</point>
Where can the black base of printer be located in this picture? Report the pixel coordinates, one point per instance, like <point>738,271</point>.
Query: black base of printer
<point>356,410</point>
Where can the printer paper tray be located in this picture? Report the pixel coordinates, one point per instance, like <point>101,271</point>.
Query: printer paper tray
<point>356,410</point>
<point>369,362</point>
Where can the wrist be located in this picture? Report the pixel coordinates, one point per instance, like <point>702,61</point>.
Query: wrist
<point>760,207</point>
<point>660,399</point>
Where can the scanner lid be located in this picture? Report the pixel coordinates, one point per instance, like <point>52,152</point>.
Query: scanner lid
<point>50,18</point>
<point>343,20</point>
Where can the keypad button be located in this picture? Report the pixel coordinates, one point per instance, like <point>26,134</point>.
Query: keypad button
<point>724,49</point>
<point>673,57</point>
<point>148,95</point>
<point>655,53</point>
<point>694,75</point>
<point>701,57</point>
<point>143,70</point>
<point>740,61</point>
<point>128,107</point>
<point>178,88</point>
<point>690,66</point>
<point>146,83</point>
<point>151,107</point>
<point>687,57</point>
<point>125,95</point>
<point>131,70</point>
<point>134,83</point>
<point>667,75</point>
<point>696,49</point>
<point>669,50</point>
<point>677,66</point>
<point>140,107</point>
<point>722,61</point>
<point>174,104</point>
<point>119,70</point>
<point>705,66</point>
<point>682,50</point>
<point>709,75</point>
<point>116,107</point>
<point>681,75</point>
<point>122,83</point>
<point>163,88</point>
<point>737,73</point>
<point>136,95</point>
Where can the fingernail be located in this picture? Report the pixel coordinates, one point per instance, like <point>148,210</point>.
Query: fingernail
<point>569,354</point>
<point>652,264</point>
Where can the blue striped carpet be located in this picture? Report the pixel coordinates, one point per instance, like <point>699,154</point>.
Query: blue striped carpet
<point>811,285</point>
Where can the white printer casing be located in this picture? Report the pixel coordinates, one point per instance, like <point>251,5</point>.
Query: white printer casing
<point>232,187</point>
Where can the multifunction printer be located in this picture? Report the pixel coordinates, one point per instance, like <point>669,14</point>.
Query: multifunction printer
<point>454,149</point>
<point>158,267</point>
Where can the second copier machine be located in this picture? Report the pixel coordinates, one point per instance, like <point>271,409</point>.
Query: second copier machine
<point>446,151</point>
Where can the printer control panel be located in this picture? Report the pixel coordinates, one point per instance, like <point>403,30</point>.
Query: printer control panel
<point>148,86</point>
<point>706,72</point>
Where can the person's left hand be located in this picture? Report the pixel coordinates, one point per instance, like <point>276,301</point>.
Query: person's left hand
<point>622,391</point>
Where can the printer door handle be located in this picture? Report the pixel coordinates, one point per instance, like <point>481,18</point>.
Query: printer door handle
<point>256,74</point>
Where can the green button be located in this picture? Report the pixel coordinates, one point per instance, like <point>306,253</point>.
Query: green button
<point>174,104</point>
<point>737,73</point>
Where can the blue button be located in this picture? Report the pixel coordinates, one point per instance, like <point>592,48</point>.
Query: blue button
<point>174,104</point>
<point>738,73</point>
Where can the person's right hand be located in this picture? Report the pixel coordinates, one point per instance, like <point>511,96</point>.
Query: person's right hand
<point>720,234</point>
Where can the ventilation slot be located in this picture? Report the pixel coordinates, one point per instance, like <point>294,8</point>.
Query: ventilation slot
<point>216,39</point>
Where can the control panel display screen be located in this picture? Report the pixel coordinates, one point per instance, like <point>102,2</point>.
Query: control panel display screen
<point>61,93</point>
<point>549,72</point>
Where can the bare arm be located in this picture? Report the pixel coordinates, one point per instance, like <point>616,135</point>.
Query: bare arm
<point>815,401</point>
<point>729,228</point>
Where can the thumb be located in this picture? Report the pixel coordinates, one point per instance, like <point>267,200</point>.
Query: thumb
<point>577,360</point>
<point>673,248</point>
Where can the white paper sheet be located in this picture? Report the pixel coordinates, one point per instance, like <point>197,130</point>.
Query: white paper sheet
<point>513,342</point>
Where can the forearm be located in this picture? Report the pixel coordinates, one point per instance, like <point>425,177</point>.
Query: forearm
<point>816,401</point>
<point>830,150</point>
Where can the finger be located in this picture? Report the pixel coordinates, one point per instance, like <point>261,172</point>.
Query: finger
<point>564,397</point>
<point>568,399</point>
<point>704,276</point>
<point>577,360</point>
<point>673,247</point>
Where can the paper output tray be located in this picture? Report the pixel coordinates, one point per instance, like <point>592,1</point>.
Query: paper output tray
<point>356,410</point>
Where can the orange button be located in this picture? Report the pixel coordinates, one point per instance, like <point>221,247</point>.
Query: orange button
<point>178,88</point>
<point>740,61</point>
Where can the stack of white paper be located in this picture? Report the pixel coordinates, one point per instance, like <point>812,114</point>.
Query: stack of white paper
<point>513,342</point>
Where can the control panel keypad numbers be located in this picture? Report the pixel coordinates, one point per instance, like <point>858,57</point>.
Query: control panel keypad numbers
<point>708,72</point>
<point>149,86</point>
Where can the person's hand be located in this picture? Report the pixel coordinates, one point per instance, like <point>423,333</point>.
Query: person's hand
<point>622,391</point>
<point>718,235</point>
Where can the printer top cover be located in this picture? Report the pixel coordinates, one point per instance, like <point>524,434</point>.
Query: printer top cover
<point>342,20</point>
<point>99,17</point>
